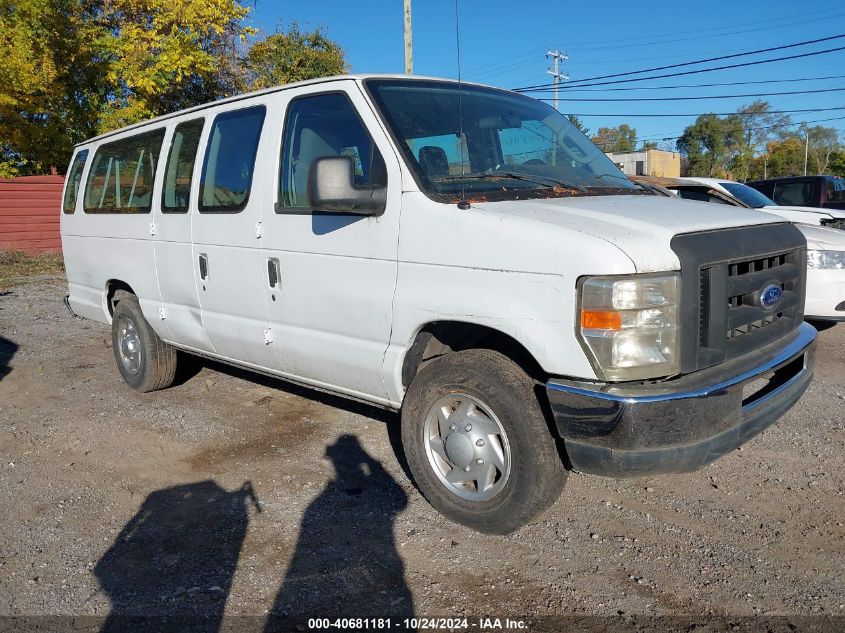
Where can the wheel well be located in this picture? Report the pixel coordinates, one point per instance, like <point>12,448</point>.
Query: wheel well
<point>115,291</point>
<point>442,337</point>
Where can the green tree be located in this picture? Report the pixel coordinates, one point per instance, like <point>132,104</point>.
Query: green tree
<point>616,139</point>
<point>711,144</point>
<point>823,142</point>
<point>759,126</point>
<point>578,123</point>
<point>647,145</point>
<point>50,87</point>
<point>293,55</point>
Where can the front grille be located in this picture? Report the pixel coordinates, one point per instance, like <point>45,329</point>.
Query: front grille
<point>747,280</point>
<point>834,223</point>
<point>724,276</point>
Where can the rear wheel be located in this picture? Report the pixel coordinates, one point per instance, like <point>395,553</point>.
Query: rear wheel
<point>477,442</point>
<point>144,361</point>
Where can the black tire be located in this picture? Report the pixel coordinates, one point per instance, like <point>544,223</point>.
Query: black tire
<point>156,367</point>
<point>536,475</point>
<point>820,325</point>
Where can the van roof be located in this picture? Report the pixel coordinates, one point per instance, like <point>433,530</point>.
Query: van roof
<point>247,95</point>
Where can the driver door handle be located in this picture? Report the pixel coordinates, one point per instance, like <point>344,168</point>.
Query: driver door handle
<point>273,272</point>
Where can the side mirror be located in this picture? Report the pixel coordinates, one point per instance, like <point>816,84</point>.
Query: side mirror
<point>331,188</point>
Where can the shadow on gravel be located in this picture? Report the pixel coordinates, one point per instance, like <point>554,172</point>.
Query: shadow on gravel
<point>7,351</point>
<point>346,564</point>
<point>171,567</point>
<point>389,418</point>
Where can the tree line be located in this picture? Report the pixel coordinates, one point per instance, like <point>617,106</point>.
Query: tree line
<point>754,143</point>
<point>72,69</point>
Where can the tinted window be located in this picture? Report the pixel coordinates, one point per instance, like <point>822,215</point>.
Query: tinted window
<point>748,195</point>
<point>74,177</point>
<point>798,193</point>
<point>180,167</point>
<point>230,160</point>
<point>122,174</point>
<point>324,125</point>
<point>835,189</point>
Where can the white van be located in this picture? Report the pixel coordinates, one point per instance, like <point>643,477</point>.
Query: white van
<point>458,252</point>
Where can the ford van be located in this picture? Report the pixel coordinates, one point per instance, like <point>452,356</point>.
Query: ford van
<point>460,253</point>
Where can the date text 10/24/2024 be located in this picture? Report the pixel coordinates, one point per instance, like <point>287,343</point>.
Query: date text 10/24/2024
<point>419,624</point>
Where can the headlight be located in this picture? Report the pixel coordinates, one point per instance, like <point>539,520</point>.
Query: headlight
<point>629,325</point>
<point>826,259</point>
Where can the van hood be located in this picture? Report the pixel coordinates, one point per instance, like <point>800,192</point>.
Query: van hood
<point>823,239</point>
<point>824,213</point>
<point>640,226</point>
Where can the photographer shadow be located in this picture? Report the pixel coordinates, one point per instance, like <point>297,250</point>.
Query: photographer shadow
<point>346,564</point>
<point>171,567</point>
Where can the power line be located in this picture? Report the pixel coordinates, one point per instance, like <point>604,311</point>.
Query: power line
<point>715,59</point>
<point>620,43</point>
<point>693,72</point>
<point>666,114</point>
<point>701,97</point>
<point>710,85</point>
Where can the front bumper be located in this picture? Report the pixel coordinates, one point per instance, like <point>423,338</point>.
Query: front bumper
<point>825,295</point>
<point>682,424</point>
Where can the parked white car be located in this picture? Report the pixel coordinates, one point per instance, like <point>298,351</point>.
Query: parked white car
<point>461,253</point>
<point>825,273</point>
<point>833,218</point>
<point>825,302</point>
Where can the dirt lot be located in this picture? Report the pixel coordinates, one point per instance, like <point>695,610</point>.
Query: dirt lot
<point>233,495</point>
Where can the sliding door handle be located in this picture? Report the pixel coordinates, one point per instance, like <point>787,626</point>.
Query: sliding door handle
<point>273,272</point>
<point>203,266</point>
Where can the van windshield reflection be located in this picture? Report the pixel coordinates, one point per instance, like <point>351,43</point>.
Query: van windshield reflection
<point>486,142</point>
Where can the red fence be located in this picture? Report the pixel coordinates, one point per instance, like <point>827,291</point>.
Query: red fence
<point>29,213</point>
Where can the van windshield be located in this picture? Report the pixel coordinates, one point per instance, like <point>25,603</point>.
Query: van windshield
<point>748,195</point>
<point>492,144</point>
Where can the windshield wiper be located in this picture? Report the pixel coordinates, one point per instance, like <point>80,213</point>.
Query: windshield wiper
<point>512,175</point>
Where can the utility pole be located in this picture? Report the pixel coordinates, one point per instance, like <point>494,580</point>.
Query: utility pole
<point>409,45</point>
<point>806,146</point>
<point>557,56</point>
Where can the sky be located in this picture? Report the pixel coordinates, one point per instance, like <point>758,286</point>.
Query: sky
<point>504,43</point>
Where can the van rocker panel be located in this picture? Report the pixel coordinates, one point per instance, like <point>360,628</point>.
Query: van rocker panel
<point>683,424</point>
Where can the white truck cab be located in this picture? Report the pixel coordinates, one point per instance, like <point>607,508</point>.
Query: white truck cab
<point>456,251</point>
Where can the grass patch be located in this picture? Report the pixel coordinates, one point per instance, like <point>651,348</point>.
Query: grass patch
<point>16,267</point>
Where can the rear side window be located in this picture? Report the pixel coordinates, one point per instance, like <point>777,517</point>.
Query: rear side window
<point>319,126</point>
<point>74,178</point>
<point>176,194</point>
<point>122,175</point>
<point>230,160</point>
<point>798,193</point>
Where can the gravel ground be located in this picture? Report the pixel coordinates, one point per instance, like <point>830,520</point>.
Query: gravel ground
<point>238,496</point>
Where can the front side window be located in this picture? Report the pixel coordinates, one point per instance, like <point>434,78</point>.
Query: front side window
<point>122,175</point>
<point>798,193</point>
<point>74,177</point>
<point>491,143</point>
<point>179,172</point>
<point>230,160</point>
<point>320,126</point>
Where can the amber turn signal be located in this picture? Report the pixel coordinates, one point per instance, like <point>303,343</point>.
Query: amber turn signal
<point>601,320</point>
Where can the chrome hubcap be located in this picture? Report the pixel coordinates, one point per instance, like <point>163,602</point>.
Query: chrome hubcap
<point>128,346</point>
<point>467,447</point>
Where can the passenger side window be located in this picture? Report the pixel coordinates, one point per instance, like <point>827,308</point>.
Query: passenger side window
<point>122,175</point>
<point>179,172</point>
<point>74,177</point>
<point>319,126</point>
<point>794,193</point>
<point>230,160</point>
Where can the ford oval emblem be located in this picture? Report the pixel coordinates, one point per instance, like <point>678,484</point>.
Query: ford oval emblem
<point>770,296</point>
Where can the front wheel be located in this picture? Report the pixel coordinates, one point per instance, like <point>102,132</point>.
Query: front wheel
<point>477,442</point>
<point>144,361</point>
